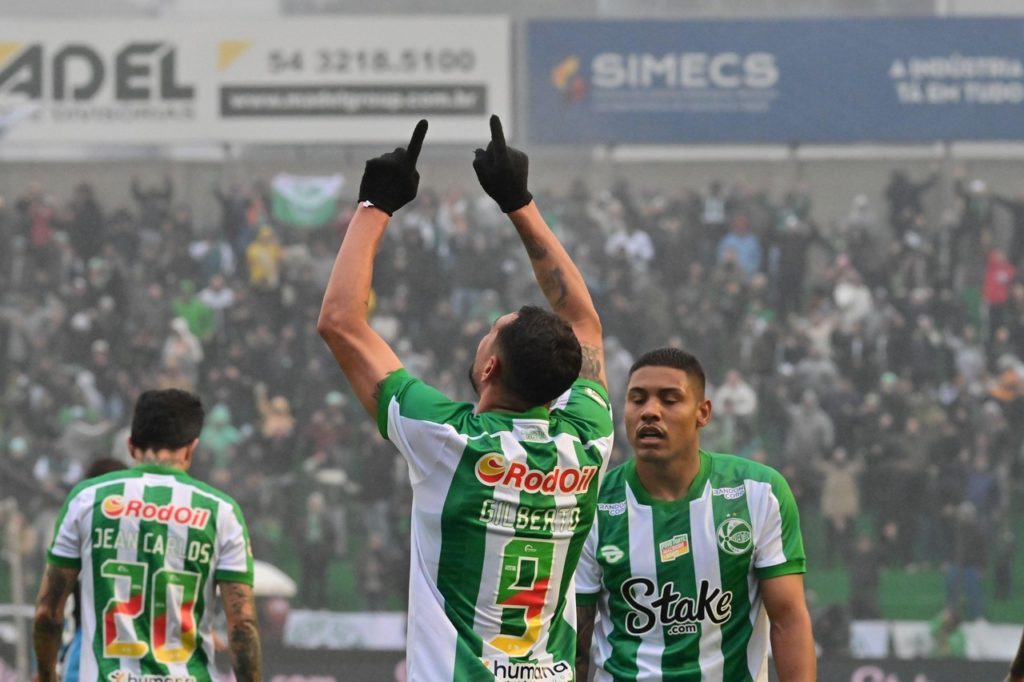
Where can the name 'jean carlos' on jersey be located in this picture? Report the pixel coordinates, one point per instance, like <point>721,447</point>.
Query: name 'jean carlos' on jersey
<point>153,543</point>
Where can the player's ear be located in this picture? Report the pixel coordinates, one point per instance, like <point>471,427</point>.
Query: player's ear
<point>703,413</point>
<point>492,368</point>
<point>189,450</point>
<point>135,453</point>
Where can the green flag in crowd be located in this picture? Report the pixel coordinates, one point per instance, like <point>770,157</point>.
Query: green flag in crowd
<point>305,200</point>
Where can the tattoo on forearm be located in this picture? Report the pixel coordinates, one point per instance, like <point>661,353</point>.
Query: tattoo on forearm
<point>46,631</point>
<point>49,621</point>
<point>534,249</point>
<point>552,283</point>
<point>244,638</point>
<point>591,368</point>
<point>58,585</point>
<point>245,652</point>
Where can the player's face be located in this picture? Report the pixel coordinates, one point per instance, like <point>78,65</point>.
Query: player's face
<point>665,409</point>
<point>486,352</point>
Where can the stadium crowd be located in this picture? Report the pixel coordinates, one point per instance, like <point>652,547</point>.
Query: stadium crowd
<point>875,357</point>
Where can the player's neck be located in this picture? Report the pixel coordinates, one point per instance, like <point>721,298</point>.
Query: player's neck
<point>174,459</point>
<point>669,479</point>
<point>492,399</point>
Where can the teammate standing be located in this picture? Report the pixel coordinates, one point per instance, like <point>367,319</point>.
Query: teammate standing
<point>695,558</point>
<point>504,492</point>
<point>149,543</point>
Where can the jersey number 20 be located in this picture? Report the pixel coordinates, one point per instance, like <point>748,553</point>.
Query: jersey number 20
<point>167,587</point>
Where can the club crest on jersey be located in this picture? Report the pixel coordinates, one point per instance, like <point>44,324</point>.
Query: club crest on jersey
<point>674,547</point>
<point>735,536</point>
<point>493,469</point>
<point>116,507</point>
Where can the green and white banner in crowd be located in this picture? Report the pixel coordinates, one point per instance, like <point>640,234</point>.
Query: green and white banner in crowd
<point>305,200</point>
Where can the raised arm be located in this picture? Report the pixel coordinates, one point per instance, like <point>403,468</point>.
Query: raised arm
<point>389,182</point>
<point>243,633</point>
<point>503,171</point>
<point>48,624</point>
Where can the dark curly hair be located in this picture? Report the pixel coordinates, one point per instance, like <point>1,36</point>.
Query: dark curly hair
<point>540,355</point>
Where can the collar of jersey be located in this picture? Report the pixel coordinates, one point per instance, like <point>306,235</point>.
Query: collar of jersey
<point>159,469</point>
<point>540,412</point>
<point>695,491</point>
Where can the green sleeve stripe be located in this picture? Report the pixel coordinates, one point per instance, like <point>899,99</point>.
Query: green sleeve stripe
<point>587,598</point>
<point>62,561</point>
<point>785,568</point>
<point>233,577</point>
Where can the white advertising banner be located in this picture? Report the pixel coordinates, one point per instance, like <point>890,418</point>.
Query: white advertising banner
<point>380,631</point>
<point>338,79</point>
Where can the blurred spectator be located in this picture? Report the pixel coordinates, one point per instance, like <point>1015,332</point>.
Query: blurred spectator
<point>840,504</point>
<point>966,562</point>
<point>948,639</point>
<point>865,571</point>
<point>191,308</point>
<point>182,352</point>
<point>904,197</point>
<point>999,274</point>
<point>744,245</point>
<point>264,258</point>
<point>713,218</point>
<point>154,202</point>
<point>277,431</point>
<point>1015,207</point>
<point>373,573</point>
<point>737,398</point>
<point>809,438</point>
<point>317,545</point>
<point>219,438</point>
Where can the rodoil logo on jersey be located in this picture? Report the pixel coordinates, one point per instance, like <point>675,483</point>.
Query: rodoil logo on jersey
<point>507,671</point>
<point>116,507</point>
<point>493,469</point>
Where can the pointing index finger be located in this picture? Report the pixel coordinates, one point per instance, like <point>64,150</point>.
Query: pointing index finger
<point>498,136</point>
<point>416,143</point>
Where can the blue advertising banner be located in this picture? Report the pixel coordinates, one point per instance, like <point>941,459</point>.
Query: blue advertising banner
<point>792,81</point>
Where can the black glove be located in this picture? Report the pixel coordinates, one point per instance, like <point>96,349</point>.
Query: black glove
<point>390,180</point>
<point>502,171</point>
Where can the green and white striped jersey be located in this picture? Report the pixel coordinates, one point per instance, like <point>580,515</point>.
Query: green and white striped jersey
<point>502,504</point>
<point>677,583</point>
<point>147,541</point>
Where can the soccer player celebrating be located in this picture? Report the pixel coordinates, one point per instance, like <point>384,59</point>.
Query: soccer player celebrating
<point>695,558</point>
<point>504,491</point>
<point>149,544</point>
